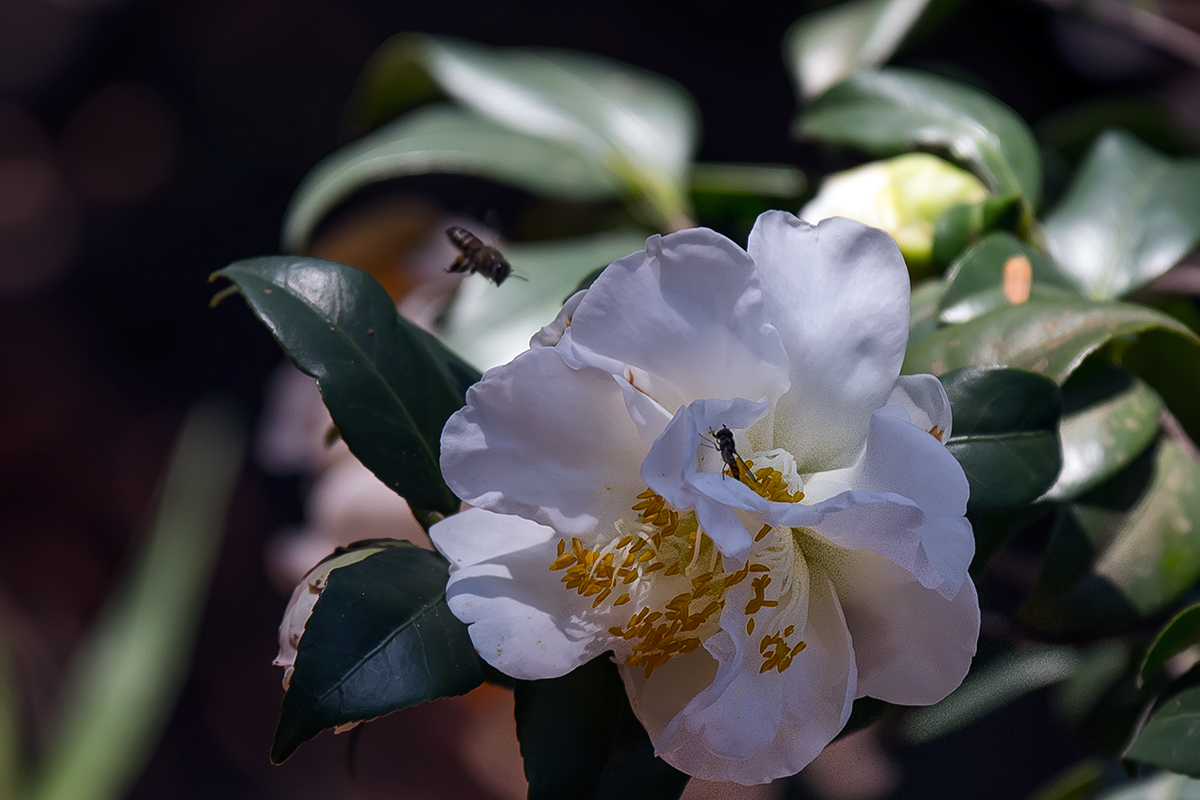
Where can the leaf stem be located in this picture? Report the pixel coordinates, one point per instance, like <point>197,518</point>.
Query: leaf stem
<point>426,519</point>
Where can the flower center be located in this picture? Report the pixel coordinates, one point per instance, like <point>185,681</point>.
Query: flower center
<point>677,580</point>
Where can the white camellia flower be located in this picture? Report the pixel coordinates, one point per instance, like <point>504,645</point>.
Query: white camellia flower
<point>749,593</point>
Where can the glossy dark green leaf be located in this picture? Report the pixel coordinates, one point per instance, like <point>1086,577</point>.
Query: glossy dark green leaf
<point>641,127</point>
<point>444,139</point>
<point>580,739</point>
<point>892,110</point>
<point>389,386</point>
<point>1005,434</point>
<point>1170,736</point>
<point>1110,417</point>
<point>1048,338</point>
<point>491,324</point>
<point>1124,551</point>
<point>1129,216</point>
<point>380,638</point>
<point>826,46</point>
<point>1179,634</point>
<point>975,282</point>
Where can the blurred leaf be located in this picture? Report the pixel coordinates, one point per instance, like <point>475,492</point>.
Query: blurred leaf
<point>989,687</point>
<point>1077,782</point>
<point>123,682</point>
<point>975,283</point>
<point>641,127</point>
<point>1170,736</point>
<point>960,226</point>
<point>380,638</point>
<point>580,739</point>
<point>1129,216</point>
<point>1171,364</point>
<point>442,138</point>
<point>922,309</point>
<point>1111,417</point>
<point>1048,338</point>
<point>760,180</point>
<point>389,386</point>
<point>1178,635</point>
<point>1158,787</point>
<point>1004,437</point>
<point>1101,666</point>
<point>993,528</point>
<point>491,324</point>
<point>11,774</point>
<point>824,47</point>
<point>1122,552</point>
<point>895,109</point>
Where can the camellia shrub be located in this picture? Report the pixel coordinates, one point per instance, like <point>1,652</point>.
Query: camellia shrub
<point>718,502</point>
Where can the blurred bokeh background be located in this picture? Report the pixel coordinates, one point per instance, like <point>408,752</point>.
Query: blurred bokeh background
<point>144,145</point>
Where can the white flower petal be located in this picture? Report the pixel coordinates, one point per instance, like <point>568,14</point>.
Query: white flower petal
<point>688,311</point>
<point>938,486</point>
<point>753,727</point>
<point>924,398</point>
<point>546,442</point>
<point>673,470</point>
<point>912,645</point>
<point>522,620</point>
<point>551,334</point>
<point>838,294</point>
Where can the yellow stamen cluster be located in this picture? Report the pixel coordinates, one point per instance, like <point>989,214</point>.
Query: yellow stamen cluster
<point>661,642</point>
<point>660,635</point>
<point>768,482</point>
<point>776,652</point>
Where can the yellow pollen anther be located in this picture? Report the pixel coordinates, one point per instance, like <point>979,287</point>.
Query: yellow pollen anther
<point>762,532</point>
<point>750,626</point>
<point>622,600</point>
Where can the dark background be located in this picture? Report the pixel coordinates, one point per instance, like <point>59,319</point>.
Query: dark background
<point>144,145</point>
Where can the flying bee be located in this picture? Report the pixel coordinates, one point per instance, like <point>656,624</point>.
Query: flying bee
<point>477,256</point>
<point>728,451</point>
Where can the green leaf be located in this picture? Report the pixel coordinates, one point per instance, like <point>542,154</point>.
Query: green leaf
<point>760,180</point>
<point>1077,782</point>
<point>1158,787</point>
<point>922,309</point>
<point>380,638</point>
<point>491,324</point>
<point>961,225</point>
<point>389,386</point>
<point>580,739</point>
<point>824,47</point>
<point>1048,338</point>
<point>641,127</point>
<point>892,110</point>
<point>988,688</point>
<point>11,772</point>
<point>1170,737</point>
<point>442,138</point>
<point>975,282</point>
<point>1124,551</point>
<point>1004,435</point>
<point>123,682</point>
<point>1182,632</point>
<point>1110,418</point>
<point>1130,215</point>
